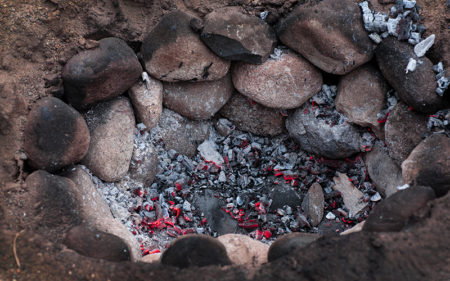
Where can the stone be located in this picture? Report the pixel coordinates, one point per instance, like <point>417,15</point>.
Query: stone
<point>286,82</point>
<point>356,228</point>
<point>329,34</point>
<point>416,88</point>
<point>361,96</point>
<point>55,135</point>
<point>317,136</point>
<point>313,204</point>
<point>111,125</point>
<point>199,100</point>
<point>429,164</point>
<point>351,195</point>
<point>403,131</point>
<point>95,212</point>
<point>182,134</point>
<point>210,154</point>
<point>252,117</point>
<point>394,212</point>
<point>172,52</point>
<point>144,165</point>
<point>282,195</point>
<point>91,242</point>
<point>147,100</point>
<point>101,73</point>
<point>50,206</point>
<point>423,46</point>
<point>218,220</point>
<point>195,250</point>
<point>243,250</point>
<point>383,170</point>
<point>289,243</point>
<point>233,35</point>
<point>153,258</point>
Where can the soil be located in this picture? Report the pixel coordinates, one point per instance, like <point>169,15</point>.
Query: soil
<point>39,36</point>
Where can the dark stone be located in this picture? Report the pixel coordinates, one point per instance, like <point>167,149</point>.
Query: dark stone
<point>287,244</point>
<point>252,117</point>
<point>195,250</point>
<point>233,35</point>
<point>173,52</point>
<point>416,88</point>
<point>393,213</point>
<point>403,131</point>
<point>284,194</point>
<point>94,243</point>
<point>101,73</point>
<point>330,35</point>
<point>218,220</point>
<point>51,206</point>
<point>429,164</point>
<point>56,135</point>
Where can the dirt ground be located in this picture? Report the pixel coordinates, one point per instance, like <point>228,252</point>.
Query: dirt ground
<point>37,37</point>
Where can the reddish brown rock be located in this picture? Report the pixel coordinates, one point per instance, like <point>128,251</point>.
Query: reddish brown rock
<point>361,96</point>
<point>173,52</point>
<point>313,204</point>
<point>350,194</point>
<point>111,125</point>
<point>199,100</point>
<point>252,117</point>
<point>152,258</point>
<point>50,206</point>
<point>233,35</point>
<point>415,88</point>
<point>286,82</point>
<point>243,250</point>
<point>91,242</point>
<point>290,243</point>
<point>403,131</point>
<point>429,164</point>
<point>95,212</point>
<point>393,213</point>
<point>382,169</point>
<point>330,35</point>
<point>56,135</point>
<point>147,102</point>
<point>195,250</point>
<point>101,73</point>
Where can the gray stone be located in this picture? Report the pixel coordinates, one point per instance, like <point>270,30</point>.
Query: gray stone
<point>111,125</point>
<point>147,99</point>
<point>283,194</point>
<point>233,35</point>
<point>285,82</point>
<point>351,195</point>
<point>199,100</point>
<point>313,204</point>
<point>382,169</point>
<point>316,136</point>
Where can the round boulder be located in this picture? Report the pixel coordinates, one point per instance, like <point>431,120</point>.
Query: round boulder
<point>252,117</point>
<point>101,73</point>
<point>172,52</point>
<point>199,100</point>
<point>56,135</point>
<point>195,250</point>
<point>244,250</point>
<point>111,125</point>
<point>285,82</point>
<point>287,244</point>
<point>233,35</point>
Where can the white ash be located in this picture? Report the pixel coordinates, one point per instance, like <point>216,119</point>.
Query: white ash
<point>263,15</point>
<point>423,46</point>
<point>391,101</point>
<point>439,123</point>
<point>158,212</point>
<point>402,22</point>
<point>411,66</point>
<point>403,187</point>
<point>442,81</point>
